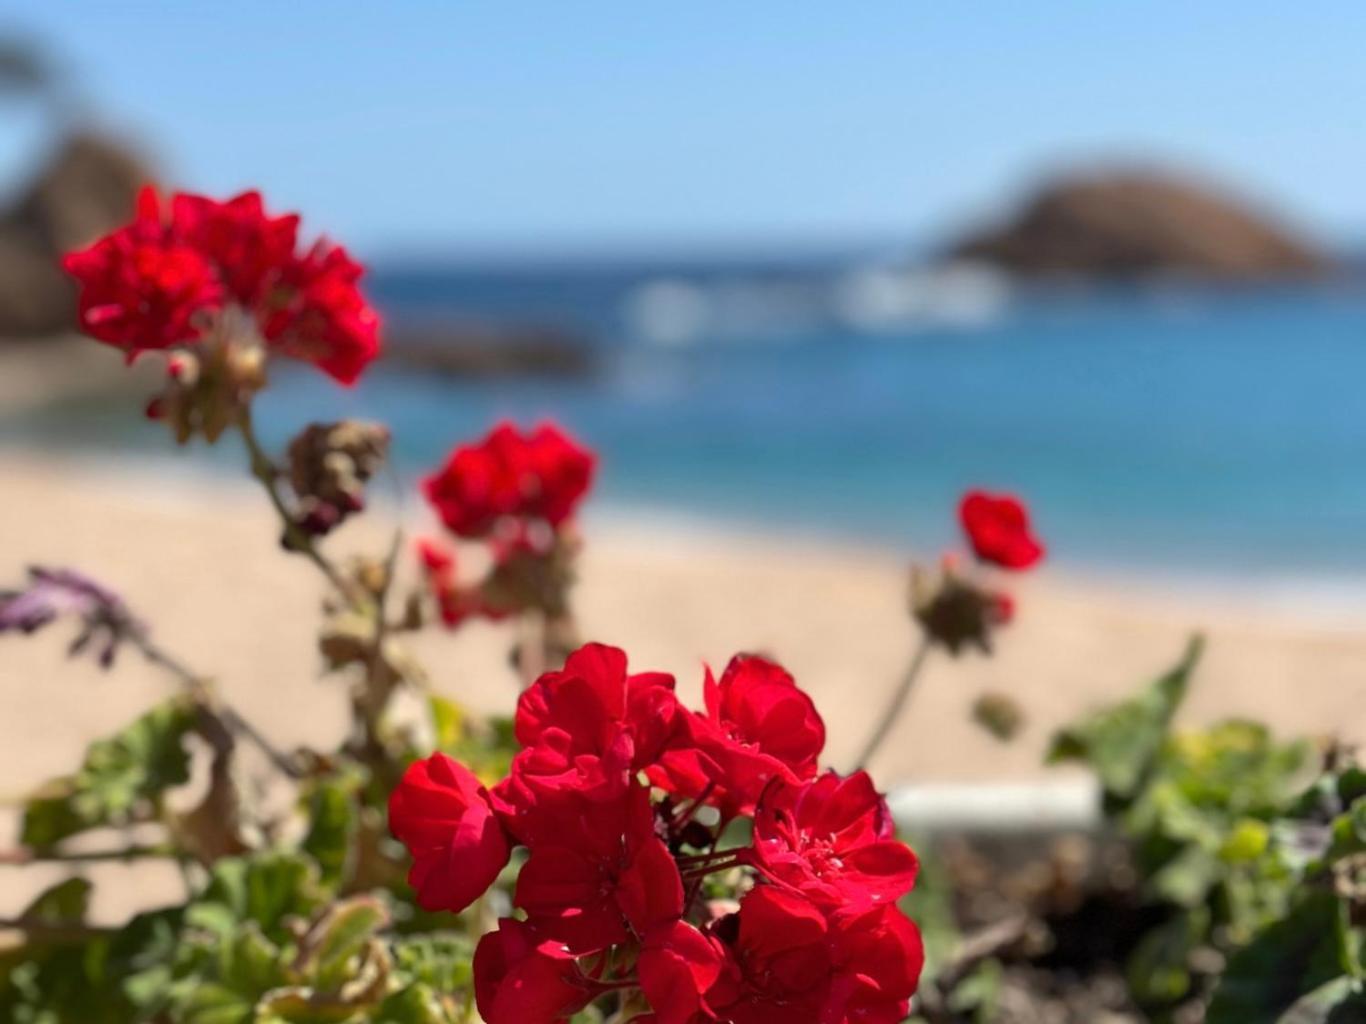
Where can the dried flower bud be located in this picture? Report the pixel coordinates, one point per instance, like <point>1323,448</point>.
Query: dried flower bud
<point>955,612</point>
<point>329,466</point>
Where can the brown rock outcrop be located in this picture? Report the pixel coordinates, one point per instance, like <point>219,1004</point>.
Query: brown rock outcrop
<point>1129,223</point>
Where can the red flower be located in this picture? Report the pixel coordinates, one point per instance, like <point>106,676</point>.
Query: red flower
<point>759,726</point>
<point>563,471</point>
<point>521,978</point>
<point>833,840</point>
<point>454,603</point>
<point>510,475</point>
<point>442,814</point>
<point>248,247</point>
<point>150,284</point>
<point>593,699</point>
<point>781,959</point>
<point>142,287</point>
<point>681,970</point>
<point>998,529</point>
<point>316,312</point>
<point>878,957</point>
<point>604,875</point>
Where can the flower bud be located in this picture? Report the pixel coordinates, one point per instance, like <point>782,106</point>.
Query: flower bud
<point>329,466</point>
<point>954,611</point>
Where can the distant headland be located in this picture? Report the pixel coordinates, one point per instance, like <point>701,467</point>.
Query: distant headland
<point>1128,223</point>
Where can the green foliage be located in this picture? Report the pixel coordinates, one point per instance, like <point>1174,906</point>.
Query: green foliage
<point>486,745</point>
<point>122,779</point>
<point>1248,863</point>
<point>1122,744</point>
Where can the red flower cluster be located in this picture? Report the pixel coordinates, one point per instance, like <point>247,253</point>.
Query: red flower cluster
<point>165,281</point>
<point>997,526</point>
<point>518,492</point>
<point>510,478</point>
<point>611,888</point>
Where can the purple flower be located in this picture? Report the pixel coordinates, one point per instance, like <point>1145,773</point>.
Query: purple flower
<point>53,593</point>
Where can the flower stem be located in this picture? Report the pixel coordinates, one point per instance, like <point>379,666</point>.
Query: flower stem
<point>265,471</point>
<point>897,704</point>
<point>197,685</point>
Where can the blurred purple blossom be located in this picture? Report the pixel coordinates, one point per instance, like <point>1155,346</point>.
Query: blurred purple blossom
<point>54,593</point>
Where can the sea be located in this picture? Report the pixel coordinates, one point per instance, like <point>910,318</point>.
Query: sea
<point>1168,429</point>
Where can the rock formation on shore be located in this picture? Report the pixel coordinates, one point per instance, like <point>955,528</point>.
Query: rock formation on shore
<point>86,189</point>
<point>1130,223</point>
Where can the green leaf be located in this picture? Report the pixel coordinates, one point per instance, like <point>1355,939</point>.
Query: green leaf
<point>64,903</point>
<point>266,889</point>
<point>1187,878</point>
<point>1337,1002</point>
<point>448,721</point>
<point>1158,969</point>
<point>1122,743</point>
<point>441,960</point>
<point>122,779</point>
<point>212,1003</point>
<point>333,818</point>
<point>336,938</point>
<point>418,1004</point>
<point>1248,841</point>
<point>1284,962</point>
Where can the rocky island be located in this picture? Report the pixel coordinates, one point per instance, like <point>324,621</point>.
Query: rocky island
<point>1127,223</point>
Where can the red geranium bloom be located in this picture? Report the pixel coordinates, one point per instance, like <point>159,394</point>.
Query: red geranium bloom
<point>248,247</point>
<point>564,471</point>
<point>833,840</point>
<point>683,970</point>
<point>454,604</point>
<point>781,959</point>
<point>604,876</point>
<point>593,698</point>
<point>998,529</point>
<point>522,978</point>
<point>759,726</point>
<point>316,312</point>
<point>442,814</point>
<point>143,287</point>
<point>510,475</point>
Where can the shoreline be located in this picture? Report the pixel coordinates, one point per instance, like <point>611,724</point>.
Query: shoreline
<point>1312,598</point>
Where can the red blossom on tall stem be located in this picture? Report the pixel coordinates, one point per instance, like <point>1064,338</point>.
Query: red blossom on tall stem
<point>510,478</point>
<point>315,312</point>
<point>158,283</point>
<point>997,527</point>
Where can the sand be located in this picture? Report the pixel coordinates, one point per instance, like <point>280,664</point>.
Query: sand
<point>197,557</point>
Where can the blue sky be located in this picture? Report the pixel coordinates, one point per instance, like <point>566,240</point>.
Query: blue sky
<point>457,126</point>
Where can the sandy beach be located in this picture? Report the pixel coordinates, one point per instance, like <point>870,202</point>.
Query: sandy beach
<point>196,557</point>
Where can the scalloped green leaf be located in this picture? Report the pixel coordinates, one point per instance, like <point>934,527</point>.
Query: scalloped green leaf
<point>122,779</point>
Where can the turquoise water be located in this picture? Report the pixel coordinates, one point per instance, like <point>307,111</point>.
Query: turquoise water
<point>1186,431</point>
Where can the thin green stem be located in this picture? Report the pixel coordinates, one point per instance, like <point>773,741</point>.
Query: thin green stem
<point>263,468</point>
<point>198,685</point>
<point>897,704</point>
